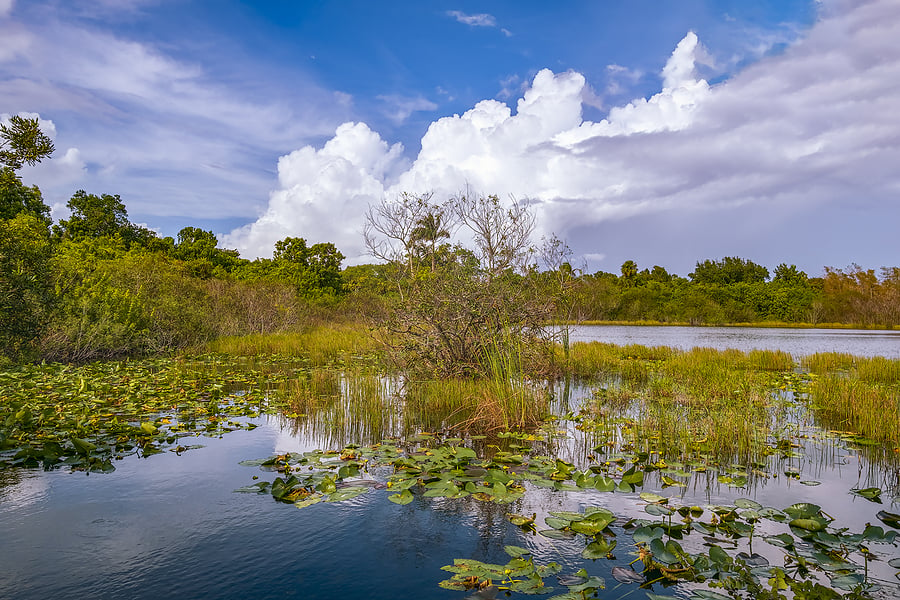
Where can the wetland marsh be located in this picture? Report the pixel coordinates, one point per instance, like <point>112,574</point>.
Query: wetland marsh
<point>639,472</point>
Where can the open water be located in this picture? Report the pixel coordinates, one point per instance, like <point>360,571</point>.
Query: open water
<point>171,526</point>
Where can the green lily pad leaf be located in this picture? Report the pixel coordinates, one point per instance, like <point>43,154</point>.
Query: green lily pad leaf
<point>598,549</point>
<point>652,596</point>
<point>653,498</point>
<point>783,540</point>
<point>557,523</point>
<point>672,482</point>
<point>647,534</point>
<point>633,477</point>
<point>803,510</point>
<point>658,510</point>
<point>592,583</point>
<point>525,586</point>
<point>626,488</point>
<point>848,582</point>
<point>149,428</point>
<point>808,524</point>
<point>83,446</point>
<point>259,487</point>
<point>810,482</point>
<point>870,493</point>
<point>747,503</point>
<point>520,519</point>
<point>718,555</point>
<point>347,493</point>
<point>892,519</point>
<point>577,579</point>
<point>516,551</point>
<point>661,553</point>
<point>588,527</point>
<point>404,497</point>
<point>555,534</point>
<point>604,484</point>
<point>626,575</point>
<point>894,562</point>
<point>309,501</point>
<point>567,515</point>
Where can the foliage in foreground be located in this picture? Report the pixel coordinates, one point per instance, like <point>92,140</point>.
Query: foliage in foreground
<point>87,417</point>
<point>819,557</point>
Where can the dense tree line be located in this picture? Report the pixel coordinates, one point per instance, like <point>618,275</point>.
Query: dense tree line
<point>735,290</point>
<point>95,285</point>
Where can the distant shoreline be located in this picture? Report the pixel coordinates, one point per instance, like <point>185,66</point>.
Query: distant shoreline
<point>762,324</point>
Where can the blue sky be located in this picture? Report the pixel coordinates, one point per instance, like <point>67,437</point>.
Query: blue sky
<point>661,132</point>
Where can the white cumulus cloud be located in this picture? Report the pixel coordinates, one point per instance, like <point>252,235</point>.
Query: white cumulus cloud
<point>323,193</point>
<point>800,145</point>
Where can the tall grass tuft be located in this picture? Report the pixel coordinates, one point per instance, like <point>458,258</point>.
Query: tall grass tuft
<point>321,345</point>
<point>824,362</point>
<point>848,404</point>
<point>338,408</point>
<point>701,401</point>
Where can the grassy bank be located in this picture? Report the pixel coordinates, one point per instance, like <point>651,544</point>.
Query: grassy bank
<point>761,324</point>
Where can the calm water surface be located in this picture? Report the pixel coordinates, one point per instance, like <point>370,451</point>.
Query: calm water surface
<point>798,342</point>
<point>172,526</point>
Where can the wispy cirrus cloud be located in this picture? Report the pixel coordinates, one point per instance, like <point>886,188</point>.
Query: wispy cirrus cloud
<point>161,130</point>
<point>476,20</point>
<point>398,108</point>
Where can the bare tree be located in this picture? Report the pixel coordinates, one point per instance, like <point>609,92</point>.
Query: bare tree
<point>502,235</point>
<point>390,226</point>
<point>562,284</point>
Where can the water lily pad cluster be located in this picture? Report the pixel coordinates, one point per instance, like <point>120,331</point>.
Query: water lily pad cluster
<point>85,417</point>
<point>708,545</point>
<point>520,574</point>
<point>818,560</point>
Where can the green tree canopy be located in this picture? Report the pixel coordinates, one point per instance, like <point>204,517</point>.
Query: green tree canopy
<point>729,270</point>
<point>17,198</point>
<point>25,289</point>
<point>790,275</point>
<point>315,271</point>
<point>198,248</point>
<point>22,141</point>
<point>95,216</point>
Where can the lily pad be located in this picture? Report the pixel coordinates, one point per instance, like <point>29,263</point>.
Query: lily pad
<point>404,497</point>
<point>891,519</point>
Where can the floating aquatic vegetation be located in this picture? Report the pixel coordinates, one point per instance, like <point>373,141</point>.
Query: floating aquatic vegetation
<point>708,548</point>
<point>89,416</point>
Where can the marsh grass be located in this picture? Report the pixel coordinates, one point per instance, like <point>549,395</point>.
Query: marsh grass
<point>337,408</point>
<point>600,360</point>
<point>476,405</point>
<point>852,405</point>
<point>824,362</point>
<point>856,394</point>
<point>321,345</point>
<point>681,403</point>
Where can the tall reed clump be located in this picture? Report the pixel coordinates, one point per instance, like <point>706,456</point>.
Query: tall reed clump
<point>697,401</point>
<point>600,360</point>
<point>770,360</point>
<point>504,398</point>
<point>825,362</point>
<point>321,345</point>
<point>338,408</point>
<point>864,399</point>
